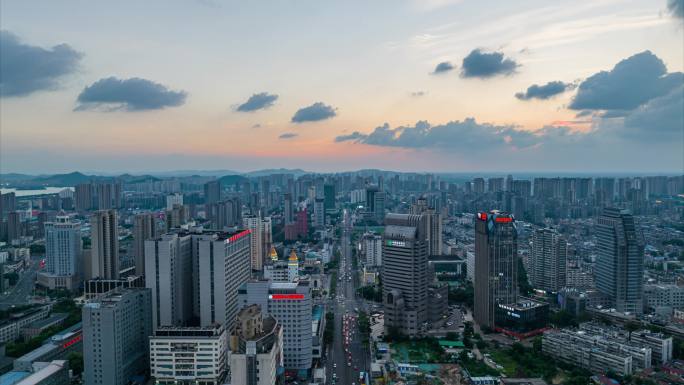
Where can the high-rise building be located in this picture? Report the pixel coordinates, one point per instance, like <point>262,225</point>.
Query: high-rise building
<point>620,261</point>
<point>174,200</point>
<point>177,216</point>
<point>144,228</point>
<point>479,185</point>
<point>116,330</point>
<point>432,224</point>
<point>224,214</point>
<point>262,238</point>
<point>548,258</point>
<point>404,273</point>
<point>104,233</point>
<point>108,195</point>
<point>84,195</point>
<point>375,203</point>
<point>329,196</point>
<point>8,203</point>
<point>495,184</point>
<point>496,265</point>
<point>256,348</point>
<point>14,226</point>
<point>196,274</point>
<point>63,253</point>
<point>212,192</point>
<point>290,303</point>
<point>372,245</point>
<point>189,355</point>
<point>288,209</point>
<point>319,213</point>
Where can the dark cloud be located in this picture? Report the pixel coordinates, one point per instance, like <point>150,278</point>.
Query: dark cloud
<point>288,135</point>
<point>631,83</point>
<point>480,64</point>
<point>466,135</point>
<point>584,113</point>
<point>545,91</point>
<point>25,69</point>
<point>257,102</point>
<point>443,67</point>
<point>660,119</point>
<point>676,8</point>
<point>314,112</point>
<point>354,137</point>
<point>257,125</point>
<point>134,94</point>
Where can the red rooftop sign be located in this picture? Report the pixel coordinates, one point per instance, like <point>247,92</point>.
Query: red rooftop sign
<point>239,235</point>
<point>278,297</point>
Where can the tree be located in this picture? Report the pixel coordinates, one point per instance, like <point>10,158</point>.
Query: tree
<point>76,362</point>
<point>481,344</point>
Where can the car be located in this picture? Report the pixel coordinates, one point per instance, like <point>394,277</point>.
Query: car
<point>334,366</point>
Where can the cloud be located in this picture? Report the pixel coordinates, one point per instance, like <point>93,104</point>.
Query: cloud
<point>631,83</point>
<point>480,64</point>
<point>417,94</point>
<point>545,91</point>
<point>315,112</point>
<point>354,137</point>
<point>134,94</point>
<point>288,135</point>
<point>676,8</point>
<point>443,68</point>
<point>25,69</point>
<point>467,135</point>
<point>257,102</point>
<point>256,125</point>
<point>660,119</point>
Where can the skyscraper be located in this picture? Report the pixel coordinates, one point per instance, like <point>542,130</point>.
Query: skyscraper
<point>225,213</point>
<point>84,196</point>
<point>262,238</point>
<point>329,196</point>
<point>620,260</point>
<point>496,264</point>
<point>212,192</point>
<point>432,225</point>
<point>104,233</point>
<point>404,273</point>
<point>63,251</point>
<point>548,257</point>
<point>319,213</point>
<point>116,328</point>
<point>144,228</point>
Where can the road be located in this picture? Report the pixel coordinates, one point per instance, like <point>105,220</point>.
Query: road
<point>18,295</point>
<point>345,362</point>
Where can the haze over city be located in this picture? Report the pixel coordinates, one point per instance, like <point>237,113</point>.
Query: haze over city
<point>436,85</point>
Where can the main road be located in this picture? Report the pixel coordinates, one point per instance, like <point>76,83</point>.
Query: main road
<point>346,361</point>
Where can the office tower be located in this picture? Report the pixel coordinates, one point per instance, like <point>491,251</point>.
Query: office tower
<point>496,264</point>
<point>372,244</point>
<point>224,214</point>
<point>212,192</point>
<point>287,209</point>
<point>63,253</point>
<point>604,190</point>
<point>116,330</point>
<point>522,188</point>
<point>104,233</point>
<point>509,183</point>
<point>177,216</point>
<point>108,195</point>
<point>290,303</point>
<point>479,185</point>
<point>620,261</point>
<point>256,348</point>
<point>329,196</point>
<point>548,257</point>
<point>84,195</point>
<point>168,267</point>
<point>144,228</point>
<point>224,264</point>
<point>14,227</point>
<point>189,355</point>
<point>174,200</point>
<point>432,225</point>
<point>375,203</point>
<point>319,213</point>
<point>8,203</point>
<point>495,184</point>
<point>404,274</point>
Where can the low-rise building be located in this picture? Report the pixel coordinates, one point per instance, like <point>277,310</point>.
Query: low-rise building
<point>10,329</point>
<point>191,354</point>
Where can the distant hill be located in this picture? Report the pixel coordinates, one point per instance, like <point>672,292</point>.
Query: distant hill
<point>228,180</point>
<point>13,176</point>
<point>65,180</point>
<point>265,172</point>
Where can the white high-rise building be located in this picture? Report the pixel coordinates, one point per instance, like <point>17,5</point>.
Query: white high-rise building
<point>63,253</point>
<point>290,304</point>
<point>548,258</point>
<point>372,244</point>
<point>262,238</point>
<point>174,199</point>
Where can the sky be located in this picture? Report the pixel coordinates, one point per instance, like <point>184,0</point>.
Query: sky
<point>412,85</point>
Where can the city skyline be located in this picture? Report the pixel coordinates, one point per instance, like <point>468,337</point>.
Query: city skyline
<point>591,86</point>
